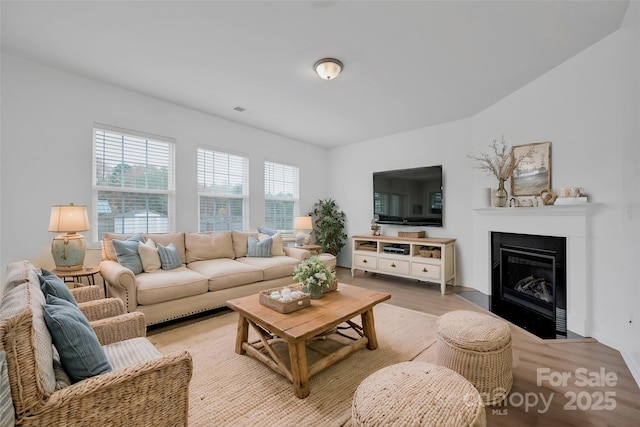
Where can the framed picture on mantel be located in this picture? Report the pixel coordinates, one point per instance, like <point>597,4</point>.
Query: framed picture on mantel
<point>533,174</point>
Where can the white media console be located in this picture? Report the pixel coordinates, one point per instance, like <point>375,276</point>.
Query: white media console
<point>400,256</point>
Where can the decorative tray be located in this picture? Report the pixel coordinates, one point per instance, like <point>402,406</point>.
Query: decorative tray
<point>301,300</point>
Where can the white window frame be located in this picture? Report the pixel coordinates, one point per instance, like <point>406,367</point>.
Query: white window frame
<point>132,137</point>
<point>272,185</point>
<point>207,157</point>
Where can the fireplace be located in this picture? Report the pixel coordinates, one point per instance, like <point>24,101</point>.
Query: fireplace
<point>529,282</point>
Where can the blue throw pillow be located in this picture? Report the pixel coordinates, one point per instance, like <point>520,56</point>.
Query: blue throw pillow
<point>259,249</point>
<point>267,231</point>
<point>80,351</point>
<point>53,285</point>
<point>169,256</point>
<point>127,253</point>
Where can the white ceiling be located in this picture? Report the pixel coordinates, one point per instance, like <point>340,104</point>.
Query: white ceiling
<point>407,64</point>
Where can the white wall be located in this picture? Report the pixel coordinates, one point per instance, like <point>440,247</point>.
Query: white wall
<point>47,118</point>
<point>588,107</point>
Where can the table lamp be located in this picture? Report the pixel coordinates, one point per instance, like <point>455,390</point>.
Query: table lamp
<point>302,223</point>
<point>68,249</point>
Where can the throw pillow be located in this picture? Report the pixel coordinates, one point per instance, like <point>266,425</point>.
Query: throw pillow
<point>259,249</point>
<point>53,285</point>
<point>127,253</point>
<point>267,231</point>
<point>149,256</point>
<point>80,351</point>
<point>276,243</point>
<point>169,256</point>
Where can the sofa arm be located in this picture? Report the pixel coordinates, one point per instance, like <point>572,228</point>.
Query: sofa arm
<point>120,328</point>
<point>297,253</point>
<point>87,293</point>
<point>121,283</point>
<point>102,308</point>
<point>152,393</point>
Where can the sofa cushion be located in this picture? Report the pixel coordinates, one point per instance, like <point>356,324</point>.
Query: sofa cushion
<point>169,256</point>
<point>50,284</point>
<point>18,273</point>
<point>226,273</point>
<point>168,285</point>
<point>29,296</point>
<point>149,256</point>
<point>260,248</point>
<point>127,353</point>
<point>166,238</point>
<point>80,351</point>
<point>205,246</point>
<point>240,239</point>
<point>127,253</point>
<point>108,251</point>
<point>272,268</point>
<point>7,413</point>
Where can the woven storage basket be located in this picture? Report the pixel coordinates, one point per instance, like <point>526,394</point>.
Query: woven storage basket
<point>284,307</point>
<point>416,234</point>
<point>478,347</point>
<point>417,394</point>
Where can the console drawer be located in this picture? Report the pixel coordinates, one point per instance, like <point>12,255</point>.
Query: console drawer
<point>366,262</point>
<point>393,266</point>
<point>425,271</point>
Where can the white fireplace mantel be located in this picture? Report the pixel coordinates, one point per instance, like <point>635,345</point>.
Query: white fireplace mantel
<point>569,221</point>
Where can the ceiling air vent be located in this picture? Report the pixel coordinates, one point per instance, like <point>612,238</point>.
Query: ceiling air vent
<point>239,109</point>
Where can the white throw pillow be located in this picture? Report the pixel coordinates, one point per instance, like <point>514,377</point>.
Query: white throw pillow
<point>149,256</point>
<point>276,243</point>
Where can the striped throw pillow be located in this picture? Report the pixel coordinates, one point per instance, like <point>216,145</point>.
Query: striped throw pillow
<point>169,256</point>
<point>259,249</point>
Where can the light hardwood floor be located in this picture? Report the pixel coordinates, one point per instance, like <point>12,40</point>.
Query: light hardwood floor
<point>525,405</point>
<point>528,404</point>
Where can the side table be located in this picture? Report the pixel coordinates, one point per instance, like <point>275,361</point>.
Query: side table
<point>77,275</point>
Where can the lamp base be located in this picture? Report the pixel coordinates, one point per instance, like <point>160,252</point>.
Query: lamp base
<point>68,251</point>
<point>300,238</point>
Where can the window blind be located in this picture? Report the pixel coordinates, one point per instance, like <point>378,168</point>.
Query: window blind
<point>223,190</point>
<point>281,193</point>
<point>134,183</point>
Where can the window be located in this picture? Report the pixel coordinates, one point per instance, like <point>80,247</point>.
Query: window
<point>223,190</point>
<point>281,195</point>
<point>134,184</point>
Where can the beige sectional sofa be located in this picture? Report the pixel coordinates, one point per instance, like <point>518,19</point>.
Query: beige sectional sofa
<point>214,268</point>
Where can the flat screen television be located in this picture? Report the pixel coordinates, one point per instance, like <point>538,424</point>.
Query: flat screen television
<point>408,196</point>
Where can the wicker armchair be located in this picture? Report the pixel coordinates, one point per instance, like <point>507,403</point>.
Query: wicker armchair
<point>150,391</point>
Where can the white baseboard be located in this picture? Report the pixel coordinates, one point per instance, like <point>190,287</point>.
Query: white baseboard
<point>633,363</point>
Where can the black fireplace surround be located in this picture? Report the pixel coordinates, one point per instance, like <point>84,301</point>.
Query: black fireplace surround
<point>528,275</point>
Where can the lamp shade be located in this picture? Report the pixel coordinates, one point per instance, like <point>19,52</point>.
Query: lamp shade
<point>302,223</point>
<point>328,68</point>
<point>68,219</point>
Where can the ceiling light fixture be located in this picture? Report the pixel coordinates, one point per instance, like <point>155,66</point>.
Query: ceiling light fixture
<point>328,68</point>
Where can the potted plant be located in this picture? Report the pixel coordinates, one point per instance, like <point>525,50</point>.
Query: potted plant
<point>329,226</point>
<point>314,276</point>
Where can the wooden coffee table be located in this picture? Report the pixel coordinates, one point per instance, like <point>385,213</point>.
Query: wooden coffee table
<point>300,327</point>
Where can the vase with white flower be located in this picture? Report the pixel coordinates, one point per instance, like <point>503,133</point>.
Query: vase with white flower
<point>314,276</point>
<point>500,164</point>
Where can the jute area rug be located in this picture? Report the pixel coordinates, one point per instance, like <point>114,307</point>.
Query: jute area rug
<point>228,389</point>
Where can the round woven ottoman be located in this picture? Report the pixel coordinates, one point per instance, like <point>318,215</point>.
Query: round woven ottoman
<point>478,347</point>
<point>417,394</point>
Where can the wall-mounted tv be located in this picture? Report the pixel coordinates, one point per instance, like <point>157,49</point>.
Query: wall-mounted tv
<point>408,196</point>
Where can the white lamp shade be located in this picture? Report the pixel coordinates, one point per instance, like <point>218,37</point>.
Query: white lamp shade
<point>328,68</point>
<point>302,223</point>
<point>68,219</point>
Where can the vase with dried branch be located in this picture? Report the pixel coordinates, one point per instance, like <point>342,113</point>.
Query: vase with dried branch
<point>501,165</point>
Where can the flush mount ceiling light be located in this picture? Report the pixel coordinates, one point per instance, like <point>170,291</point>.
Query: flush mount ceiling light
<point>328,68</point>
